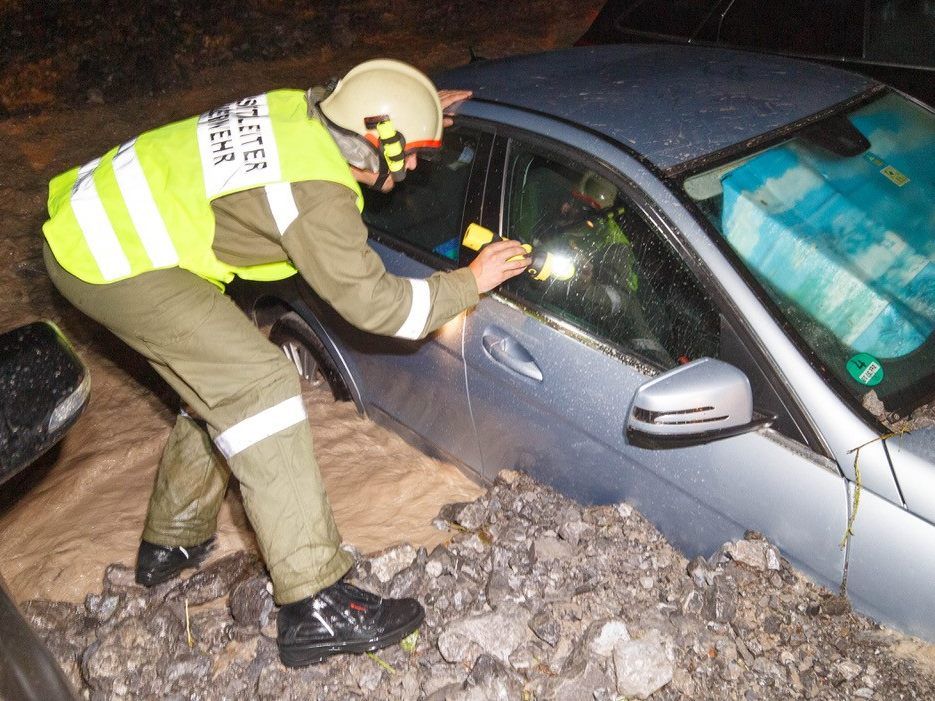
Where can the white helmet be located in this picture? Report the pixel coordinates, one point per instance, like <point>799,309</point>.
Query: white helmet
<point>392,105</point>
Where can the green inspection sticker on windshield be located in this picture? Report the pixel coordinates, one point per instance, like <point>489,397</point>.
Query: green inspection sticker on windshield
<point>866,369</point>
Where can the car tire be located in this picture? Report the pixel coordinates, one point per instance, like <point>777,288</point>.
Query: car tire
<point>302,346</point>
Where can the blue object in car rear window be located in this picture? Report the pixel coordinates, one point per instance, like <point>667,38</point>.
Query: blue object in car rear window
<point>847,239</point>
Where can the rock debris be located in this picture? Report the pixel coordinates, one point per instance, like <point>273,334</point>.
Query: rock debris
<point>533,597</point>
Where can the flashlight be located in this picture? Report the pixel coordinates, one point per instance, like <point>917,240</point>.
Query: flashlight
<point>543,264</point>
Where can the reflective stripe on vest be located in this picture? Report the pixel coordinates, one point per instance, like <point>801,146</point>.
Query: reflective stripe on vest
<point>147,204</point>
<point>282,205</point>
<point>99,234</point>
<point>142,207</point>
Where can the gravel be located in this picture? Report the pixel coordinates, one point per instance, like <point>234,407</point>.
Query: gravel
<point>516,608</point>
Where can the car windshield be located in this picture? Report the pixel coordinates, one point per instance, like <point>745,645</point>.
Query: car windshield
<point>836,224</point>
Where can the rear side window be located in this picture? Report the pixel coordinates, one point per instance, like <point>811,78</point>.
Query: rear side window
<point>426,209</point>
<point>628,286</point>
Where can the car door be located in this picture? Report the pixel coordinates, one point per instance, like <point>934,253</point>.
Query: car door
<point>552,367</point>
<point>417,387</point>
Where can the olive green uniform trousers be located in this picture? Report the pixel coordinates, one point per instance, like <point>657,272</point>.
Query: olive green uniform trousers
<point>227,371</point>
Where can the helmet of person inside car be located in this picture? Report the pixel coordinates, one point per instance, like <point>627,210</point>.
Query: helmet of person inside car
<point>596,191</point>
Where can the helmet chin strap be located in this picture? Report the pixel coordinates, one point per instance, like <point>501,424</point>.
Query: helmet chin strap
<point>382,177</point>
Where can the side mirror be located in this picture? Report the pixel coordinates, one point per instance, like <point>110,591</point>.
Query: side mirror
<point>696,403</point>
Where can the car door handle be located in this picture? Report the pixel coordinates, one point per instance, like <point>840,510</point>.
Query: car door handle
<point>506,350</point>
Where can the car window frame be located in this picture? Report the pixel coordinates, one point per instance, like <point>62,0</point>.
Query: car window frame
<point>620,19</point>
<point>470,208</point>
<point>492,217</point>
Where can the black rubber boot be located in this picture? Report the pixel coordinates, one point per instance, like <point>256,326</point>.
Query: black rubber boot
<point>340,619</point>
<point>156,564</point>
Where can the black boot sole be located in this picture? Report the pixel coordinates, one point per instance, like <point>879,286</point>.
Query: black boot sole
<point>312,653</point>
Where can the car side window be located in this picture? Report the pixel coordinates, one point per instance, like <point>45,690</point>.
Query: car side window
<point>627,284</point>
<point>426,209</point>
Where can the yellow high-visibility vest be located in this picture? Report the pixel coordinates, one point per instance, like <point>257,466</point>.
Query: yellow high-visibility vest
<point>146,204</point>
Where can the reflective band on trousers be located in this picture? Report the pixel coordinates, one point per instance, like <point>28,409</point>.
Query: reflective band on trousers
<point>252,430</point>
<point>418,312</point>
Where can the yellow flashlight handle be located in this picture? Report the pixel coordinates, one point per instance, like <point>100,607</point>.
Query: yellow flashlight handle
<point>477,236</point>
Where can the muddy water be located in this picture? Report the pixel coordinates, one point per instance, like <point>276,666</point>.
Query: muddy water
<point>87,509</point>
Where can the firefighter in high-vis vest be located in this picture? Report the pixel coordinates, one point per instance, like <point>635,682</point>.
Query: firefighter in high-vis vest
<point>143,241</point>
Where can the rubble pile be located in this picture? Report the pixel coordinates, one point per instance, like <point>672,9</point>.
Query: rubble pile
<point>533,597</point>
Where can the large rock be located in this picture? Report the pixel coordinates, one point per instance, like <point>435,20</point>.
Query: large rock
<point>720,601</point>
<point>497,633</point>
<point>469,515</point>
<point>758,554</point>
<point>503,588</point>
<point>642,667</point>
<point>120,579</point>
<point>549,548</point>
<point>455,647</point>
<point>251,602</point>
<point>579,681</point>
<point>489,680</point>
<point>546,627</point>
<point>216,579</point>
<point>603,636</point>
<point>387,564</point>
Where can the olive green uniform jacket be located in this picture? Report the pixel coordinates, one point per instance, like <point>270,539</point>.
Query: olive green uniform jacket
<point>248,416</point>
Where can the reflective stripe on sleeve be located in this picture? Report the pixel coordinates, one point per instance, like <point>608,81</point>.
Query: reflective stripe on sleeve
<point>418,312</point>
<point>252,430</point>
<point>142,207</point>
<point>282,205</point>
<point>98,232</point>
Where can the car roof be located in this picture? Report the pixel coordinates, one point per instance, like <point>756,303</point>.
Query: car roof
<point>669,104</point>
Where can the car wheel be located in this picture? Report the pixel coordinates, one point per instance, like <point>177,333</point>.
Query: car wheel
<point>306,351</point>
